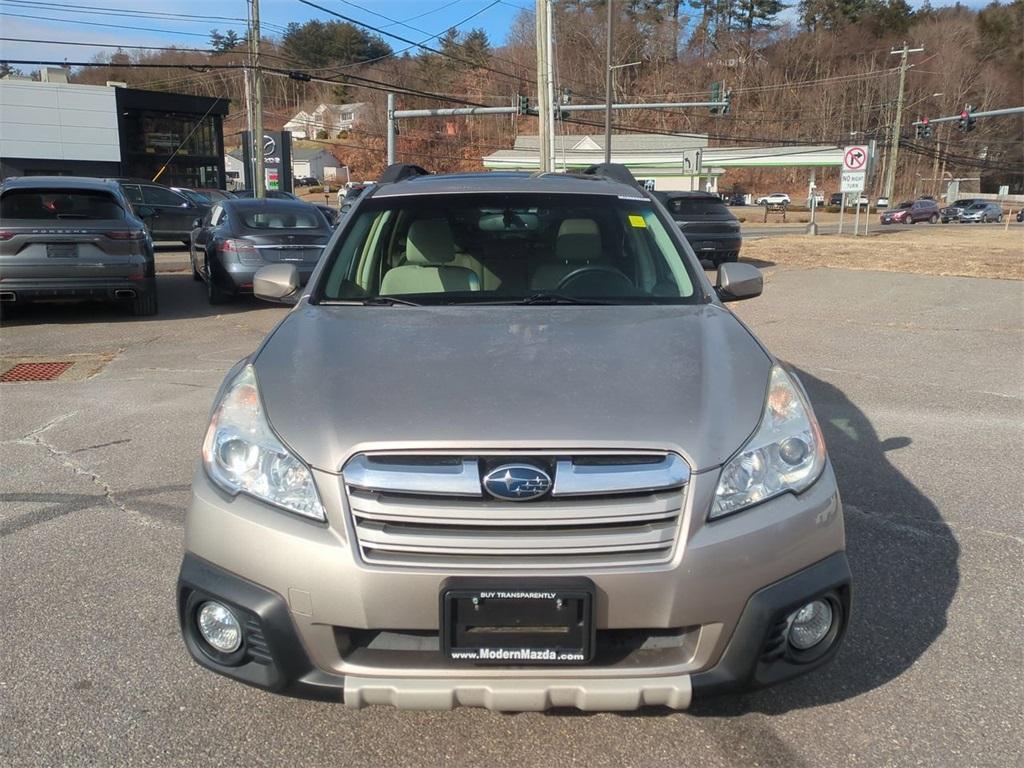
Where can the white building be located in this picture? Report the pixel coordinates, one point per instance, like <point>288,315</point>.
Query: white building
<point>673,162</point>
<point>330,119</point>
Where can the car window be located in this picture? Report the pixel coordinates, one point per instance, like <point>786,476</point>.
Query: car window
<point>508,247</point>
<point>290,217</point>
<point>195,197</point>
<point>59,205</point>
<point>133,193</point>
<point>161,196</point>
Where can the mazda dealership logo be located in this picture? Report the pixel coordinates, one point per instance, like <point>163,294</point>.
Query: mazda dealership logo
<point>269,145</point>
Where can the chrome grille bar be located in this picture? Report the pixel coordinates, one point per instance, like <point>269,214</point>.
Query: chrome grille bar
<point>424,510</point>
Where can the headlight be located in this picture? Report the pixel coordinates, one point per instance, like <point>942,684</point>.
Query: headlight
<point>786,454</point>
<point>242,455</point>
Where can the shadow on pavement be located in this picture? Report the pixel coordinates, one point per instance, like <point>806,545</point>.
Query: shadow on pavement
<point>178,296</point>
<point>904,560</point>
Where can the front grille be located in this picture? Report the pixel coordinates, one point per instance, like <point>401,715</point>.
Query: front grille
<point>432,511</point>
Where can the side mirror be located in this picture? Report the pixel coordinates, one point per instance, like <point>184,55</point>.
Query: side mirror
<point>738,281</point>
<point>145,211</point>
<point>277,282</point>
<point>197,223</point>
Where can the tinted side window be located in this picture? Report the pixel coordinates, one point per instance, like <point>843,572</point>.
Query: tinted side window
<point>159,196</point>
<point>133,193</point>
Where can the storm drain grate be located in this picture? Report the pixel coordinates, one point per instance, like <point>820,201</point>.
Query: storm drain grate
<point>35,372</point>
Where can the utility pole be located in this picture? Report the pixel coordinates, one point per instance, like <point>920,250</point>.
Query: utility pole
<point>608,87</point>
<point>894,139</point>
<point>259,181</point>
<point>391,129</point>
<point>544,106</point>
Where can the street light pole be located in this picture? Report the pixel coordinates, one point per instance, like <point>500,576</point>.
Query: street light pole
<point>259,182</point>
<point>608,88</point>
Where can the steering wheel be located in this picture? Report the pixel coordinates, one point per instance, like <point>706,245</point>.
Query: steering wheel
<point>613,282</point>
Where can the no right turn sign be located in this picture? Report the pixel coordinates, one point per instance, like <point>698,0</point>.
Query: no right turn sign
<point>855,158</point>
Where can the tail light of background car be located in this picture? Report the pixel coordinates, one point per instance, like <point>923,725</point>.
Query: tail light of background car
<point>243,250</point>
<point>6,234</point>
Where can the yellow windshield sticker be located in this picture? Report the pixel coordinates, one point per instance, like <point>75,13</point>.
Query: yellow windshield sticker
<point>637,221</point>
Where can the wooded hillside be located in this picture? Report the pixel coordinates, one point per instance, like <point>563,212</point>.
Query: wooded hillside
<point>826,77</point>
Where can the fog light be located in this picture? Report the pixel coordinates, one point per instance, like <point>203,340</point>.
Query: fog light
<point>810,625</point>
<point>219,627</point>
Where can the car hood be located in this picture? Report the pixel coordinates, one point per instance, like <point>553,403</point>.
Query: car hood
<point>338,380</point>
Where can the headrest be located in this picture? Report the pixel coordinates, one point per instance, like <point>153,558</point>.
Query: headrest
<point>429,242</point>
<point>578,240</point>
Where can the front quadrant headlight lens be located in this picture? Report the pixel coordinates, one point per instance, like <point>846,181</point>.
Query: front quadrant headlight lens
<point>786,454</point>
<point>242,455</point>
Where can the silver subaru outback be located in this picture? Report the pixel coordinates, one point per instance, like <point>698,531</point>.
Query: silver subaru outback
<point>510,450</point>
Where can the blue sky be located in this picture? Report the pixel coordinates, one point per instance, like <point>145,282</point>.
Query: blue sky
<point>66,20</point>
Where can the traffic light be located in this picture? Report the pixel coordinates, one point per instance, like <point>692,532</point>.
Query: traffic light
<point>967,119</point>
<point>524,105</point>
<point>716,95</point>
<point>924,130</point>
<point>728,102</point>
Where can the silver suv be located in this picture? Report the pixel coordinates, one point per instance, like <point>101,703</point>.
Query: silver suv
<point>73,238</point>
<point>510,450</point>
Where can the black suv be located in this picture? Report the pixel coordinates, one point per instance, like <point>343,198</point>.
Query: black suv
<point>708,225</point>
<point>168,215</point>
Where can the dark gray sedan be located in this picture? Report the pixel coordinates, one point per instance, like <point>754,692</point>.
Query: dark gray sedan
<point>237,237</point>
<point>73,238</point>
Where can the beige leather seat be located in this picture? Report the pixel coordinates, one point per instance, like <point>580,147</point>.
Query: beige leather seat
<point>429,251</point>
<point>577,245</point>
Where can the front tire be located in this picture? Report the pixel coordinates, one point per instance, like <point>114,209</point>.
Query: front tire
<point>1000,219</point>
<point>934,219</point>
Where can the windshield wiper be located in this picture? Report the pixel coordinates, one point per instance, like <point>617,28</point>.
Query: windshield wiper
<point>536,298</point>
<point>374,301</point>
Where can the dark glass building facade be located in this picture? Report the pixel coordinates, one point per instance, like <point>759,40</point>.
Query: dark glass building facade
<point>185,133</point>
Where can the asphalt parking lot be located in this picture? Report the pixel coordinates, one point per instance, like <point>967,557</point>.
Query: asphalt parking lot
<point>917,380</point>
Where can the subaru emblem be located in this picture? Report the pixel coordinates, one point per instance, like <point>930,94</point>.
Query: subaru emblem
<point>517,482</point>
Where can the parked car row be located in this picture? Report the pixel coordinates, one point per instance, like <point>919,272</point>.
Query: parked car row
<point>972,210</point>
<point>70,238</point>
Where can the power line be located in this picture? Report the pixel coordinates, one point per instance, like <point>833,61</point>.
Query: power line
<point>96,10</point>
<point>453,57</point>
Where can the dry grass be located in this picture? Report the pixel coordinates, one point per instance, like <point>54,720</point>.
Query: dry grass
<point>963,250</point>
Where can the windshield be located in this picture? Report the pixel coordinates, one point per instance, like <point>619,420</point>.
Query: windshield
<point>906,204</point>
<point>508,248</point>
<point>977,206</point>
<point>59,205</point>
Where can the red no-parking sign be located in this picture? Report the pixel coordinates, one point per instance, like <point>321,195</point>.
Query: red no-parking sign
<point>855,158</point>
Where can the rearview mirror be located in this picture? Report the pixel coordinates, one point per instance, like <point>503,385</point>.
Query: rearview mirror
<point>197,223</point>
<point>738,281</point>
<point>277,282</point>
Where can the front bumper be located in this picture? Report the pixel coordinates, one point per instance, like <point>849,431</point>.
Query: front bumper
<point>306,600</point>
<point>274,658</point>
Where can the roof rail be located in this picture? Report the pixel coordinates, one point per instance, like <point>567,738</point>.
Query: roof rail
<point>613,171</point>
<point>400,172</point>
